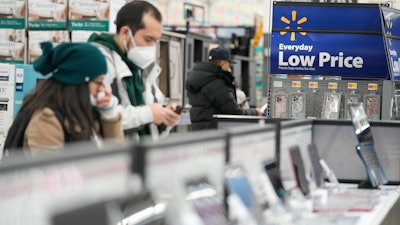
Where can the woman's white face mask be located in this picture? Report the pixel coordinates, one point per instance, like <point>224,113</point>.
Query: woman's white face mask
<point>141,56</point>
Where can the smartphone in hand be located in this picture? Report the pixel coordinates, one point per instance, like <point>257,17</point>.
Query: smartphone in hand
<point>178,109</point>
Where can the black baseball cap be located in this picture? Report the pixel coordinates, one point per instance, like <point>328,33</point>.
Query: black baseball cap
<point>220,53</point>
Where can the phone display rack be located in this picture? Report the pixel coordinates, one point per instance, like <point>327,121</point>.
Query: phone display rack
<point>315,97</point>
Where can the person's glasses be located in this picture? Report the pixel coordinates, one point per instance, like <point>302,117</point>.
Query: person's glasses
<point>97,83</point>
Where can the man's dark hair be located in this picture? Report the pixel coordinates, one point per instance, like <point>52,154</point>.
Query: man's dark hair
<point>131,14</point>
<point>216,62</point>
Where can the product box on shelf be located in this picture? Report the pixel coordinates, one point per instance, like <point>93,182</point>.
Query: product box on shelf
<point>36,37</point>
<point>47,14</point>
<point>6,100</point>
<point>81,35</point>
<point>12,14</point>
<point>89,15</point>
<point>12,45</point>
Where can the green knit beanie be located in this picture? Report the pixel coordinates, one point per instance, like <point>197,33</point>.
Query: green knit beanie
<point>71,63</point>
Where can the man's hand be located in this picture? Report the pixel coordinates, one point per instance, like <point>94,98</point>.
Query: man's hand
<point>164,115</point>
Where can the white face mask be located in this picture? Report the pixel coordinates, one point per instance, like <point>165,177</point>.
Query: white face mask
<point>93,100</point>
<point>141,56</point>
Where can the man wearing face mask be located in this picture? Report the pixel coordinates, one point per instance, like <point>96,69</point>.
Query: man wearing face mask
<point>211,90</point>
<point>132,72</point>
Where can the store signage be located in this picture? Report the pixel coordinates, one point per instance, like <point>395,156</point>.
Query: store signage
<point>392,35</point>
<point>392,21</point>
<point>314,40</point>
<point>326,17</point>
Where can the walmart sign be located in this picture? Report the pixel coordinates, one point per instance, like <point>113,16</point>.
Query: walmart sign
<point>312,39</point>
<point>392,33</point>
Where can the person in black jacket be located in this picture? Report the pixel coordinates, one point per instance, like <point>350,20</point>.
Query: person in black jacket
<point>211,90</point>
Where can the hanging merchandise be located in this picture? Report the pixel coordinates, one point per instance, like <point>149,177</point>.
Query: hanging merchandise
<point>349,99</point>
<point>396,105</point>
<point>331,107</point>
<point>372,104</point>
<point>279,105</point>
<point>297,105</point>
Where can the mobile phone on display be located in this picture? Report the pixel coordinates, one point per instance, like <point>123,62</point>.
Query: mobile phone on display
<point>237,183</point>
<point>274,175</point>
<point>368,156</point>
<point>365,149</point>
<point>317,171</point>
<point>206,202</point>
<point>299,170</point>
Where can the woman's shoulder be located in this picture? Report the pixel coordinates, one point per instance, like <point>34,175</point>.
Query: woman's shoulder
<point>45,112</point>
<point>44,131</point>
<point>46,116</point>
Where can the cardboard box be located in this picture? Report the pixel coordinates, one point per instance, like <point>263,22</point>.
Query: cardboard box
<point>12,45</point>
<point>89,15</point>
<point>36,37</point>
<point>81,35</point>
<point>12,14</point>
<point>47,14</point>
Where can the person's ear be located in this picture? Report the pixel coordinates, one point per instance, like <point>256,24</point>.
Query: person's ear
<point>124,32</point>
<point>226,64</point>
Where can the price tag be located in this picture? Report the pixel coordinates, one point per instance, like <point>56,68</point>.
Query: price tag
<point>332,85</point>
<point>352,86</point>
<point>296,83</point>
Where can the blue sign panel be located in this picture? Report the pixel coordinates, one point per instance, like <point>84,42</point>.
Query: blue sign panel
<point>393,46</point>
<point>392,22</point>
<point>346,55</point>
<point>328,39</point>
<point>25,81</point>
<point>327,17</point>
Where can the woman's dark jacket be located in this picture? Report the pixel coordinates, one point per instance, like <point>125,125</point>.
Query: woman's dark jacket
<point>211,90</point>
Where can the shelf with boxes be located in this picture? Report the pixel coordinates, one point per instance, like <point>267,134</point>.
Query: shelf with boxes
<point>26,23</point>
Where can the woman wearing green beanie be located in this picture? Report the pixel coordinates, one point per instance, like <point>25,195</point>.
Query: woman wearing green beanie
<point>71,105</point>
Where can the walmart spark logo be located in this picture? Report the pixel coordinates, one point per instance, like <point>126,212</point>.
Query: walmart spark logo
<point>389,25</point>
<point>296,24</point>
